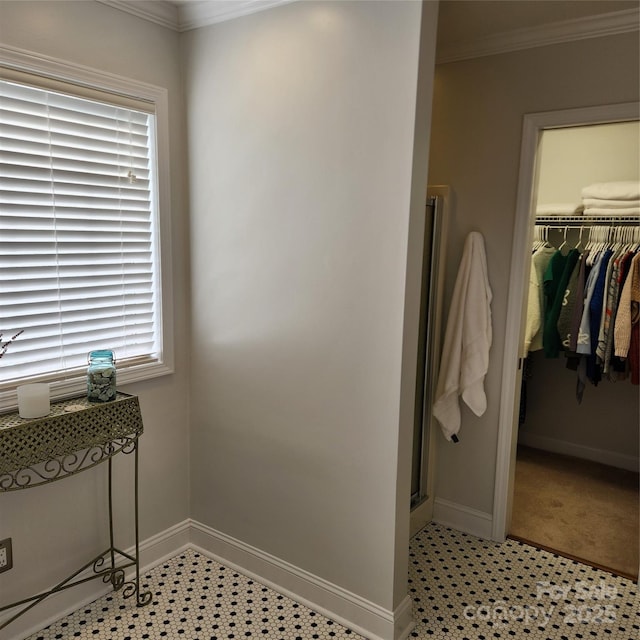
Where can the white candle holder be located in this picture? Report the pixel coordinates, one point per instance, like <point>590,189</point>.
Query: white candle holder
<point>33,400</point>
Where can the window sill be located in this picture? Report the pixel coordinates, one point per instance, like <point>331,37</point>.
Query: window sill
<point>77,385</point>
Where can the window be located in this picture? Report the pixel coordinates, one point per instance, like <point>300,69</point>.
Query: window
<point>79,232</point>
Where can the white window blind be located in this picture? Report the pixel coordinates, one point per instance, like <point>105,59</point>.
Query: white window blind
<point>78,224</point>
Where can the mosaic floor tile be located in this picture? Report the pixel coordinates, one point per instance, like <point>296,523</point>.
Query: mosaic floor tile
<point>462,588</point>
<point>195,598</point>
<point>465,588</point>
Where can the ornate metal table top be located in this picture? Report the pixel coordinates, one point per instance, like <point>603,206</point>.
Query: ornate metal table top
<point>74,436</point>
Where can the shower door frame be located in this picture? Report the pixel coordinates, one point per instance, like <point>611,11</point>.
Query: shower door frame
<point>436,231</point>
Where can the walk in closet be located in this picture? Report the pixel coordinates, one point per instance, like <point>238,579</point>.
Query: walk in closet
<point>576,478</point>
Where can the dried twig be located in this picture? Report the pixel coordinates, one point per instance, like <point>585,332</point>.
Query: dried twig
<point>5,345</point>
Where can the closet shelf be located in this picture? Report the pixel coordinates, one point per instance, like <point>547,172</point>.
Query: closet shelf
<point>585,221</point>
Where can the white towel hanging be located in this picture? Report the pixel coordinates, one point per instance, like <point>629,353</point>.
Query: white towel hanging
<point>468,336</point>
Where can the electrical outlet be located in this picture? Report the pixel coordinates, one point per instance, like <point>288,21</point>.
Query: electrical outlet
<point>6,557</point>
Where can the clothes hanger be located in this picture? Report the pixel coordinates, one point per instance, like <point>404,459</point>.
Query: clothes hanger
<point>579,244</point>
<point>564,242</point>
<point>598,236</point>
<point>538,240</point>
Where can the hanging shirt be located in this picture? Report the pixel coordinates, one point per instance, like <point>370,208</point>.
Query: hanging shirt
<point>594,372</point>
<point>601,342</point>
<point>618,365</point>
<point>569,300</point>
<point>628,309</point>
<point>578,306</point>
<point>584,333</point>
<point>634,353</point>
<point>605,340</point>
<point>634,344</point>
<point>556,279</point>
<point>535,303</point>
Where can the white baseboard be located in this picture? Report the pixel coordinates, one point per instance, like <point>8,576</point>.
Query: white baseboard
<point>404,622</point>
<point>420,517</point>
<point>360,615</point>
<point>153,551</point>
<point>164,545</point>
<point>611,458</point>
<point>457,516</point>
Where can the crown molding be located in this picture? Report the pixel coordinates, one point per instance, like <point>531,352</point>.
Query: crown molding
<point>158,11</point>
<point>596,26</point>
<point>191,14</point>
<point>201,13</point>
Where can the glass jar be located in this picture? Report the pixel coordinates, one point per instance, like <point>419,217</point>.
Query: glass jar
<point>101,376</point>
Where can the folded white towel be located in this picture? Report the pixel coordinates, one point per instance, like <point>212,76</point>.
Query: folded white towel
<point>596,211</point>
<point>465,354</point>
<point>601,203</point>
<point>559,209</point>
<point>626,190</point>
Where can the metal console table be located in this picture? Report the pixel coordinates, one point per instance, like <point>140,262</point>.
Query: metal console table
<point>75,436</point>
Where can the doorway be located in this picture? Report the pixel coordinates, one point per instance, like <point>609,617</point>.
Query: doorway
<point>529,192</point>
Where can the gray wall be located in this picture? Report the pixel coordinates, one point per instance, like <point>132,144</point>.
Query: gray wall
<point>308,196</point>
<point>476,132</point>
<point>576,157</point>
<point>302,142</point>
<point>606,422</point>
<point>301,138</point>
<point>46,548</point>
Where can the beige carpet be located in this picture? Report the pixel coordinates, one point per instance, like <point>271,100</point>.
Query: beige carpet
<point>582,509</point>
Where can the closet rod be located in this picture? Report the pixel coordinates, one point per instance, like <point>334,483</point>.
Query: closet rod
<point>585,221</point>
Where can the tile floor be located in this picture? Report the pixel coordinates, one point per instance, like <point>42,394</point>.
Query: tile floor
<point>461,587</point>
